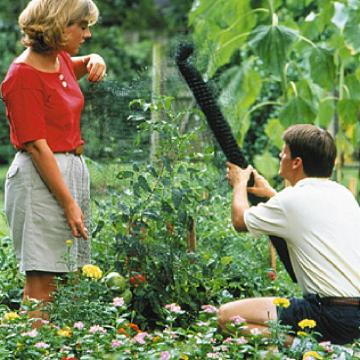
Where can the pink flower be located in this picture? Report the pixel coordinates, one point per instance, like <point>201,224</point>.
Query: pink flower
<point>228,340</point>
<point>97,329</point>
<point>237,320</point>
<point>41,345</point>
<point>214,355</point>
<point>241,340</point>
<point>165,355</point>
<point>174,308</point>
<point>33,333</point>
<point>140,338</point>
<point>203,323</point>
<point>79,325</point>
<point>211,309</point>
<point>255,331</point>
<point>116,343</point>
<point>118,302</point>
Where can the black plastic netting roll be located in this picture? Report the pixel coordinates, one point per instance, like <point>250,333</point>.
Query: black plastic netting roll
<point>222,132</point>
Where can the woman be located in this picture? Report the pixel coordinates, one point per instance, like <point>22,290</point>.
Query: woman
<point>47,185</point>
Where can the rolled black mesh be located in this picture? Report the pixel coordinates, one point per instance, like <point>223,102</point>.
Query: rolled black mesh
<point>222,132</point>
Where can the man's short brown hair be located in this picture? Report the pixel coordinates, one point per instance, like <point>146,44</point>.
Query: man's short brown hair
<point>315,146</point>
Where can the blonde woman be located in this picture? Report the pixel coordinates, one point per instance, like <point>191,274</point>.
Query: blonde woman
<point>47,185</point>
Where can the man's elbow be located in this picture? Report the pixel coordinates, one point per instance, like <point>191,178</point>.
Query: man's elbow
<point>239,224</point>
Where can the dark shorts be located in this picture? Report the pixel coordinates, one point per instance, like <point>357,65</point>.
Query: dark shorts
<point>336,323</point>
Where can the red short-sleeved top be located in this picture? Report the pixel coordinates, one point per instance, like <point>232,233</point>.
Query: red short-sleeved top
<point>41,105</point>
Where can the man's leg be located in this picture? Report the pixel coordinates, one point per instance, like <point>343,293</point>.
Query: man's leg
<point>255,311</point>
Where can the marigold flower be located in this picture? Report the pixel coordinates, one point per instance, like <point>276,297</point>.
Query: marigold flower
<point>137,279</point>
<point>122,331</point>
<point>92,271</point>
<point>302,333</point>
<point>309,355</point>
<point>184,357</point>
<point>10,316</point>
<point>156,338</point>
<point>281,302</point>
<point>69,243</point>
<point>134,327</point>
<point>307,323</point>
<point>65,332</point>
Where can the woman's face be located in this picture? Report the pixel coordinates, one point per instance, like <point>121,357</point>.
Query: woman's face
<point>76,35</point>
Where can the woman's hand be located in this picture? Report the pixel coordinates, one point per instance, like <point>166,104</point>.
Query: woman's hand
<point>96,67</point>
<point>75,219</point>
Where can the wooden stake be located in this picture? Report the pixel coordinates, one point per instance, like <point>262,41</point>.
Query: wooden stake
<point>191,235</point>
<point>272,253</point>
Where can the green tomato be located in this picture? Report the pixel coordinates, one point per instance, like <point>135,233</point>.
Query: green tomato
<point>116,282</point>
<point>127,296</point>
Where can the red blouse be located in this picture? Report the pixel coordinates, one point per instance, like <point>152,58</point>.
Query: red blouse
<point>41,105</point>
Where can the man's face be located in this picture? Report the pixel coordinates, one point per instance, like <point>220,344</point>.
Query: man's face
<point>286,163</point>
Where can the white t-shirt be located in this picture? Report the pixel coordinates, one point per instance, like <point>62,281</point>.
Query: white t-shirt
<point>320,222</point>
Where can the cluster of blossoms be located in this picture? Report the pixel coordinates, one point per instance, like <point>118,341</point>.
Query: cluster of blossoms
<point>10,316</point>
<point>92,271</point>
<point>175,308</point>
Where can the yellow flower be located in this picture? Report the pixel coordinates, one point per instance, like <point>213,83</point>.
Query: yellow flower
<point>281,302</point>
<point>92,271</point>
<point>312,355</point>
<point>156,339</point>
<point>11,316</point>
<point>184,357</point>
<point>302,333</point>
<point>69,243</point>
<point>306,323</point>
<point>65,332</point>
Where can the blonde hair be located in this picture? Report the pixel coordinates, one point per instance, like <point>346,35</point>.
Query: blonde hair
<point>43,22</point>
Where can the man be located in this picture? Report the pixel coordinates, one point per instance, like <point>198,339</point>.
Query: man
<point>320,223</point>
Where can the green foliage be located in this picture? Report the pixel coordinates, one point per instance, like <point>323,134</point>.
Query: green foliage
<point>309,48</point>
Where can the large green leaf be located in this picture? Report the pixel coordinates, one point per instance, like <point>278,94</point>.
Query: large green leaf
<point>240,91</point>
<point>266,164</point>
<point>348,110</point>
<point>274,131</point>
<point>272,43</point>
<point>325,113</point>
<point>352,87</point>
<point>352,30</point>
<point>323,68</point>
<point>297,111</point>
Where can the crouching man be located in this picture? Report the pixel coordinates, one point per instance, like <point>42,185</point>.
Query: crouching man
<point>320,223</point>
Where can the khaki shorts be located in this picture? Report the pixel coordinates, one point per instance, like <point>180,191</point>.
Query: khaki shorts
<point>37,222</point>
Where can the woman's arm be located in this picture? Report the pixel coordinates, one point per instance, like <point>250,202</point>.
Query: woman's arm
<point>46,164</point>
<point>92,64</point>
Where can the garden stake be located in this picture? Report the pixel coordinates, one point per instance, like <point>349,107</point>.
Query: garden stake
<point>191,235</point>
<point>222,132</point>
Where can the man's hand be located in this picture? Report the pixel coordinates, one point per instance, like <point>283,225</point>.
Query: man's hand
<point>261,186</point>
<point>235,175</point>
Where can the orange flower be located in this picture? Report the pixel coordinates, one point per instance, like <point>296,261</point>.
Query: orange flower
<point>134,327</point>
<point>122,331</point>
